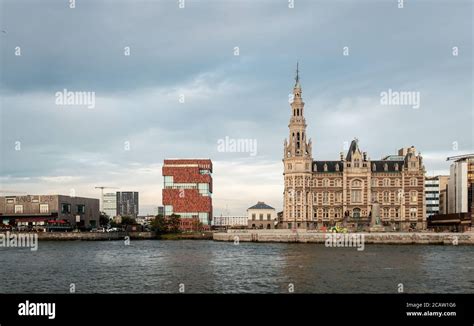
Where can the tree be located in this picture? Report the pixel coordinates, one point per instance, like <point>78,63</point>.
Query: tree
<point>127,220</point>
<point>104,219</point>
<point>159,224</point>
<point>173,223</point>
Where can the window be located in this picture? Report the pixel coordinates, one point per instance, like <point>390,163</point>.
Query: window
<point>386,182</point>
<point>356,196</point>
<point>397,182</point>
<point>44,208</point>
<point>396,166</point>
<point>337,167</point>
<point>385,167</point>
<point>374,182</point>
<point>66,208</point>
<point>203,189</point>
<point>374,168</point>
<point>203,218</point>
<point>339,197</point>
<point>385,212</point>
<point>325,167</point>
<point>325,197</point>
<point>338,183</point>
<point>204,172</point>
<point>397,212</point>
<point>325,183</point>
<point>413,212</point>
<point>261,217</point>
<point>413,196</point>
<point>413,182</point>
<point>269,217</point>
<point>356,164</point>
<point>253,217</point>
<point>168,210</point>
<point>356,183</point>
<point>168,181</point>
<point>386,198</point>
<point>356,212</point>
<point>18,209</point>
<point>81,209</point>
<point>325,213</point>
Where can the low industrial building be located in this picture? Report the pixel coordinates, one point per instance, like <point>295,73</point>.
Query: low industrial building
<point>47,212</point>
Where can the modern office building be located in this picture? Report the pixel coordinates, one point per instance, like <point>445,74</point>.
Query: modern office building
<point>433,189</point>
<point>261,216</point>
<point>35,210</point>
<point>109,204</point>
<point>127,203</point>
<point>460,192</point>
<point>187,189</point>
<point>325,193</point>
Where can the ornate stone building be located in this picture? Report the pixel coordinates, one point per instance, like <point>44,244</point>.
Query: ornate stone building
<point>342,192</point>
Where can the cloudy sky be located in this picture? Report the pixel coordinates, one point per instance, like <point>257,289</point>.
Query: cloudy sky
<point>190,53</point>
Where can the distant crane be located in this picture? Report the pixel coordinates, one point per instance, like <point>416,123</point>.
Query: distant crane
<point>102,195</point>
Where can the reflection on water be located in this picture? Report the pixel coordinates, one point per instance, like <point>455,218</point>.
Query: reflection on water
<point>209,267</point>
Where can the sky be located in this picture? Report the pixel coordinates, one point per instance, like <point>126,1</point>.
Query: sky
<point>213,70</point>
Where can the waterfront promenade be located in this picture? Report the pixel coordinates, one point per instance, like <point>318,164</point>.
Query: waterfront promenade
<point>304,236</point>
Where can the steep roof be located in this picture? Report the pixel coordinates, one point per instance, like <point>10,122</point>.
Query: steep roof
<point>261,205</point>
<point>318,166</point>
<point>352,149</point>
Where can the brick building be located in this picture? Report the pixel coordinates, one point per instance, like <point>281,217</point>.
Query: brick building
<point>187,190</point>
<point>326,193</point>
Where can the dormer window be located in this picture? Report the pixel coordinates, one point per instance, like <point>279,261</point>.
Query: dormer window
<point>337,167</point>
<point>325,167</point>
<point>396,166</point>
<point>374,167</point>
<point>385,167</point>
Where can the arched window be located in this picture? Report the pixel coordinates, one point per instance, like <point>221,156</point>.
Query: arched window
<point>356,213</point>
<point>325,183</point>
<point>413,182</point>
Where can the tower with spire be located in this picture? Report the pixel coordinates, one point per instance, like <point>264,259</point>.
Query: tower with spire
<point>297,162</point>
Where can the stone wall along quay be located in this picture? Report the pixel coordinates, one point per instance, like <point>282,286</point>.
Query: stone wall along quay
<point>304,236</point>
<point>93,236</point>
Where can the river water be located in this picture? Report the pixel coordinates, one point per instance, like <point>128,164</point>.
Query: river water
<point>224,267</point>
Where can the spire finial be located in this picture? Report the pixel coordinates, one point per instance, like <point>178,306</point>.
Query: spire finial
<point>297,73</point>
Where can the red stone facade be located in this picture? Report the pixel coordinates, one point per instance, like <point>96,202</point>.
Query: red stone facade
<point>187,190</point>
